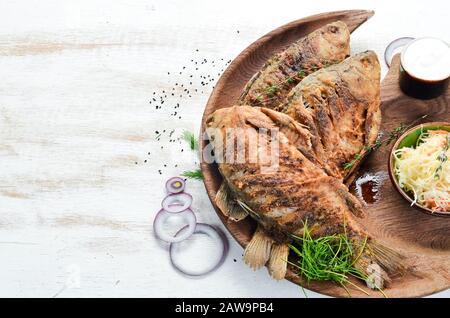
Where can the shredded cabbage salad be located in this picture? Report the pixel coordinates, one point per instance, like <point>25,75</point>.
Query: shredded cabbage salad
<point>424,170</point>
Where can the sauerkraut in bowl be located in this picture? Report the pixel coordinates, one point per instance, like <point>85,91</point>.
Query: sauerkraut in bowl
<point>420,167</point>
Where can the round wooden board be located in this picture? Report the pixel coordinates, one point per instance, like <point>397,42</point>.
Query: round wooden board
<point>423,239</point>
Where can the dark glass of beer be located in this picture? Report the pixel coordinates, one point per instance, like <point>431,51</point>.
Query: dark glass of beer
<point>425,68</point>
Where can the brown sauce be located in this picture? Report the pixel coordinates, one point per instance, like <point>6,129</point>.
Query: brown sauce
<point>367,187</point>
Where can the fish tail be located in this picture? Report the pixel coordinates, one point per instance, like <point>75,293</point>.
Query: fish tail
<point>229,207</point>
<point>380,264</point>
<point>277,265</point>
<point>257,253</point>
<point>390,260</point>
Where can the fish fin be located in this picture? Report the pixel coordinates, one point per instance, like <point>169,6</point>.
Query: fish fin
<point>229,207</point>
<point>353,204</point>
<point>277,264</point>
<point>348,180</point>
<point>257,252</point>
<point>248,86</point>
<point>351,174</point>
<point>297,133</point>
<point>380,263</point>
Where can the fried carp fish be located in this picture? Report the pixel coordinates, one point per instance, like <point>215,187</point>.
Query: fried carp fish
<point>324,46</point>
<point>340,105</point>
<point>282,199</point>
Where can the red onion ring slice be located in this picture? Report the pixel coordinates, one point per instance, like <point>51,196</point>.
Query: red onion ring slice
<point>177,202</point>
<point>393,46</point>
<point>175,185</point>
<point>188,230</point>
<point>181,264</point>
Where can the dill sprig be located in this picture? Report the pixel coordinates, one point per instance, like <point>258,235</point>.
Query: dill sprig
<point>327,258</point>
<point>193,174</point>
<point>393,135</point>
<point>442,158</point>
<point>191,139</point>
<point>271,90</point>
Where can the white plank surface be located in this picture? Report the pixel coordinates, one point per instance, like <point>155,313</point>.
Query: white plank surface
<point>77,78</point>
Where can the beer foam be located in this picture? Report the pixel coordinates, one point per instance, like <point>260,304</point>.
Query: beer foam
<point>427,59</point>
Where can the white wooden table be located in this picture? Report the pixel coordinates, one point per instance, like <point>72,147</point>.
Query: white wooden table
<point>78,189</point>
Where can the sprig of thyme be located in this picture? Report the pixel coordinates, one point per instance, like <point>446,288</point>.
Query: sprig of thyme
<point>442,158</point>
<point>272,89</point>
<point>393,135</point>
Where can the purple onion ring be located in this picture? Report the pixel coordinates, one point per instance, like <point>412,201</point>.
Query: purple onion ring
<point>175,185</point>
<point>214,233</point>
<point>188,230</point>
<point>177,202</point>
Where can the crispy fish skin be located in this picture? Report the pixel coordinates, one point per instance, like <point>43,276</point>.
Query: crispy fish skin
<point>340,105</point>
<point>298,191</point>
<point>324,46</point>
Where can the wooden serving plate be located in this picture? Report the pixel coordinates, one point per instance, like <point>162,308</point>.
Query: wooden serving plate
<point>423,239</point>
